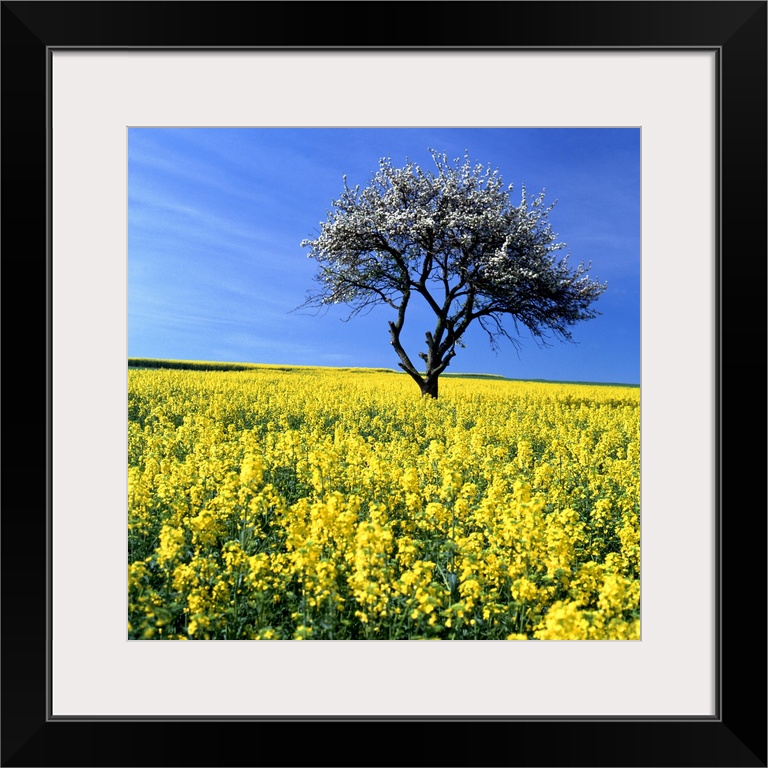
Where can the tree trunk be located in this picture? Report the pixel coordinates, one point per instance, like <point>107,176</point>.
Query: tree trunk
<point>429,387</point>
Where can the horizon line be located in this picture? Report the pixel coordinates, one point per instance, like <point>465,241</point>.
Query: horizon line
<point>134,361</point>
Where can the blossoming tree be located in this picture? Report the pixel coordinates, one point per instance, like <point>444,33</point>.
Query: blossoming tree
<point>453,237</point>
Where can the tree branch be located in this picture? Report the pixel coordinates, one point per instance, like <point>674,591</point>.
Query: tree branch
<point>394,339</point>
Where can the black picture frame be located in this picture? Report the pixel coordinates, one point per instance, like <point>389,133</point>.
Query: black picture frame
<point>735,736</point>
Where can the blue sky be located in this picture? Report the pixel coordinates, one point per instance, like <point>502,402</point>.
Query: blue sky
<point>216,217</point>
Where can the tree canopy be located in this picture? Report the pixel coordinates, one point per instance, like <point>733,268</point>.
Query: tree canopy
<point>454,237</point>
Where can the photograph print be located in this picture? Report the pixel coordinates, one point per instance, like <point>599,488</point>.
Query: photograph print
<point>384,384</point>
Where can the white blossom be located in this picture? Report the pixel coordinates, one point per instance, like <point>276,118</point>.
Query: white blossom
<point>453,236</point>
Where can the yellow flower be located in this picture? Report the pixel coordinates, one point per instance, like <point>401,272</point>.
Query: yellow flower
<point>384,515</point>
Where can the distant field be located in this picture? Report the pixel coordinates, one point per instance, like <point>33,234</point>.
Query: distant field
<point>289,503</point>
<point>198,365</point>
<point>202,365</point>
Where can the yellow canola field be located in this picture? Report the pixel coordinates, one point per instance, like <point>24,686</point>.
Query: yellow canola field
<point>335,504</point>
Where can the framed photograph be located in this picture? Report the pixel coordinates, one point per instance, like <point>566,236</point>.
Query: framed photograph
<point>687,79</point>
